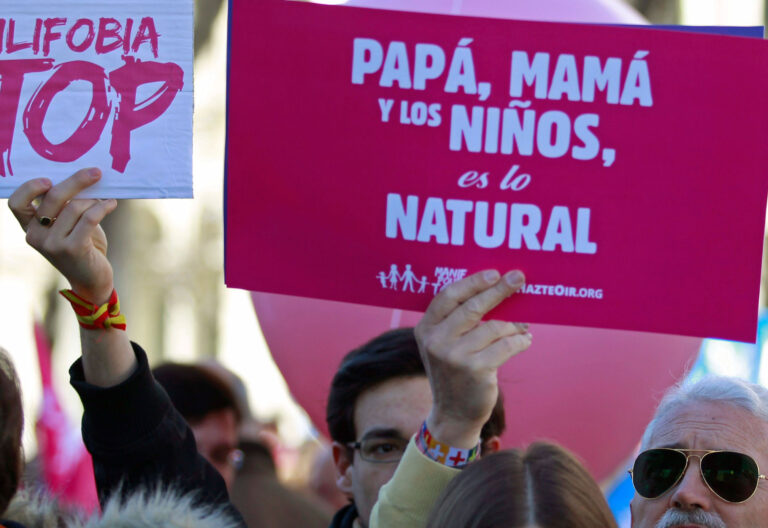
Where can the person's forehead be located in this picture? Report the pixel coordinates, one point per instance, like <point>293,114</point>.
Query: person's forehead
<point>712,426</point>
<point>399,404</point>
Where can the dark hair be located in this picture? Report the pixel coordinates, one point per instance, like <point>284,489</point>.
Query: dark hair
<point>393,354</point>
<point>11,426</point>
<point>544,485</point>
<point>496,423</point>
<point>195,391</point>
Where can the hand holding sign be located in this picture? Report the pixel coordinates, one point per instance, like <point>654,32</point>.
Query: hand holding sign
<point>462,355</point>
<point>74,242</point>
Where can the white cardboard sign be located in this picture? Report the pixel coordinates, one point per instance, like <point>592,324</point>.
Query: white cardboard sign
<point>103,84</point>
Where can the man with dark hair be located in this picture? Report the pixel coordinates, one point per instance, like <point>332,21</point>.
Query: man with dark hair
<point>11,425</point>
<point>378,399</point>
<point>208,398</point>
<point>211,410</point>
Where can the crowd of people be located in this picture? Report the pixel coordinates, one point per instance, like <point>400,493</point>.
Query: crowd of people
<point>415,417</point>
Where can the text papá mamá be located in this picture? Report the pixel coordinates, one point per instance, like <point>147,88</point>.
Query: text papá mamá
<point>57,53</point>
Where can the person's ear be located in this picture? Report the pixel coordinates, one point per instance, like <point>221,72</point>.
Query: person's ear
<point>343,464</point>
<point>492,445</point>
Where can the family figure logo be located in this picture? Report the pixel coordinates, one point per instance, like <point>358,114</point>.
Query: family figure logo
<point>408,280</point>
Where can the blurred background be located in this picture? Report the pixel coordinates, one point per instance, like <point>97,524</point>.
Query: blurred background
<point>168,257</point>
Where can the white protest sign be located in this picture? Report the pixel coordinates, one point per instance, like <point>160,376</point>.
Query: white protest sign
<point>104,84</point>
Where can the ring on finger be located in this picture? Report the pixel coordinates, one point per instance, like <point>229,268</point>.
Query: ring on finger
<point>46,221</point>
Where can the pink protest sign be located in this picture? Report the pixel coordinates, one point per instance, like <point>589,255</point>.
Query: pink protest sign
<point>98,84</point>
<point>376,156</point>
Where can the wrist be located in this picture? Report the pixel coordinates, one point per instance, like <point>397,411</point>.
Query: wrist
<point>442,452</point>
<point>457,433</point>
<point>91,316</point>
<point>94,295</point>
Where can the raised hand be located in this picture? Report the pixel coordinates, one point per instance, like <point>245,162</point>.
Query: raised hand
<point>66,231</point>
<point>462,354</point>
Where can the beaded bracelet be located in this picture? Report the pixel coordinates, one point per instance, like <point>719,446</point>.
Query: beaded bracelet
<point>95,317</point>
<point>443,453</point>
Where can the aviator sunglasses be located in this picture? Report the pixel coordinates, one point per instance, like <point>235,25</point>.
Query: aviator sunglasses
<point>731,476</point>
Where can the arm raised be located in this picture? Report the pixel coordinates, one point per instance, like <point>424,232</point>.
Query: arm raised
<point>462,354</point>
<point>66,231</point>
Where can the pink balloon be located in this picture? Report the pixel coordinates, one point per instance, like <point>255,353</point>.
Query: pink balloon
<point>591,390</point>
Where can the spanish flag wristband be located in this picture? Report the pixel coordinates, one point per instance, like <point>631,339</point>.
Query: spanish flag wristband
<point>443,453</point>
<point>94,317</point>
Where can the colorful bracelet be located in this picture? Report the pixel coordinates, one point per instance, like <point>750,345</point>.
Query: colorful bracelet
<point>95,317</point>
<point>443,453</point>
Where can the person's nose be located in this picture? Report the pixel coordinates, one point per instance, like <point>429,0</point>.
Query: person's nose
<point>691,492</point>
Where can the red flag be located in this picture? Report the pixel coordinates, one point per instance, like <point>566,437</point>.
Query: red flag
<point>67,468</point>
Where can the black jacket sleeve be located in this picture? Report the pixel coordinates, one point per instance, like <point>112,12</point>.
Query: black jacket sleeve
<point>139,441</point>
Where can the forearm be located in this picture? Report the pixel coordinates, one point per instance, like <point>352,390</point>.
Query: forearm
<point>108,358</point>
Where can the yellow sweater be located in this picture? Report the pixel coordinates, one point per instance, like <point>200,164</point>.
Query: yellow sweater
<point>406,501</point>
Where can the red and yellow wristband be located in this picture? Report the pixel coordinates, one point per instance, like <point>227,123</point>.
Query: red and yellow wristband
<point>443,453</point>
<point>95,317</point>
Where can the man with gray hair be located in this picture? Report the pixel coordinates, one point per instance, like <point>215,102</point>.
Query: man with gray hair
<point>701,458</point>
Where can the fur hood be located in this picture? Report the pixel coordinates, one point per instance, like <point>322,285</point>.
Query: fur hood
<point>157,509</point>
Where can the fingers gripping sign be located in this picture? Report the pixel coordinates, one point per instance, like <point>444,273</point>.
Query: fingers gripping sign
<point>73,241</point>
<point>21,202</point>
<point>462,354</point>
<point>66,230</point>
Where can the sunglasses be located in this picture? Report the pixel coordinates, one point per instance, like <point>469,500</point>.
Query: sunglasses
<point>731,476</point>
